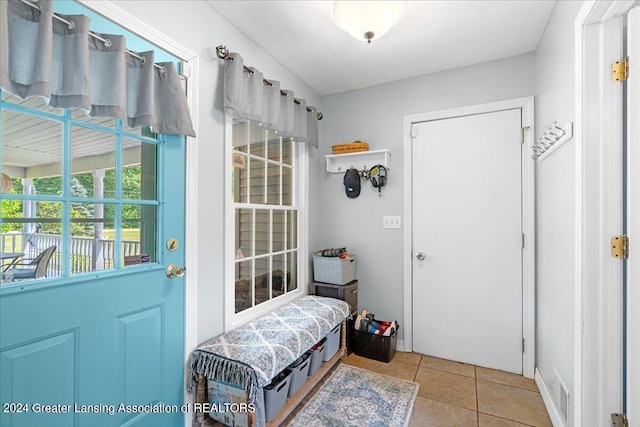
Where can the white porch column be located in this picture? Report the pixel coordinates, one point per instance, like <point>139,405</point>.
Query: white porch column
<point>28,211</point>
<point>98,213</point>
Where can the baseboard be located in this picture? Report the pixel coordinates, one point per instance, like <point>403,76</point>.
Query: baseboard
<point>554,413</point>
<point>400,345</point>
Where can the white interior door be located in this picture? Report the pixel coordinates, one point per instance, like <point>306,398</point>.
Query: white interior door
<point>633,221</point>
<point>467,221</point>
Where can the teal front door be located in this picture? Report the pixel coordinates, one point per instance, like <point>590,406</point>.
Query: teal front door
<point>99,339</point>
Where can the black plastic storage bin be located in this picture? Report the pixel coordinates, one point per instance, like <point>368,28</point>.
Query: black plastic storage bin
<point>275,394</point>
<point>377,347</point>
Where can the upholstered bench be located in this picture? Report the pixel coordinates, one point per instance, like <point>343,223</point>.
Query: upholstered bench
<point>250,356</point>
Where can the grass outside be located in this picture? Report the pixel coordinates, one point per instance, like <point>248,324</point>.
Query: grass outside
<point>128,234</point>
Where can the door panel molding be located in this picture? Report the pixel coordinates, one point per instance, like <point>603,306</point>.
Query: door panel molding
<point>526,104</point>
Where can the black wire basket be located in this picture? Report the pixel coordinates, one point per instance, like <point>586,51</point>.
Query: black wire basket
<point>377,347</point>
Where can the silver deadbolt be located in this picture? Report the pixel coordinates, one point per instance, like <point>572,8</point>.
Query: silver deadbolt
<point>172,244</point>
<point>420,256</point>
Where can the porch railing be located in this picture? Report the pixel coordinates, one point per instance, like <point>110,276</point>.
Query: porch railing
<point>87,254</point>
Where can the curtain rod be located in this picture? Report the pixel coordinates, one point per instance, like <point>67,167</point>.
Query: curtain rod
<point>71,25</point>
<point>223,53</point>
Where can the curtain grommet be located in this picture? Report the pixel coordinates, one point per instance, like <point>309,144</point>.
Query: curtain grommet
<point>107,42</point>
<point>71,25</point>
<point>143,59</point>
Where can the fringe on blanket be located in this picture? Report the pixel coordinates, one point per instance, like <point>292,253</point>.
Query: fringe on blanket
<point>217,368</point>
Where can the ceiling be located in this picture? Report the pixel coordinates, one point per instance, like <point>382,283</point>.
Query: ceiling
<point>433,36</point>
<point>33,146</point>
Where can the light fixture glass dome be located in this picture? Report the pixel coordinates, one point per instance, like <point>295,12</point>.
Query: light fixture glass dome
<point>366,20</point>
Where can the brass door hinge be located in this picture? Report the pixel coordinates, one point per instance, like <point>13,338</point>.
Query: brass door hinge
<point>620,246</point>
<point>620,70</point>
<point>619,420</point>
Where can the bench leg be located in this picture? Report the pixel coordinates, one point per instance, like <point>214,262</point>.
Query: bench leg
<point>201,387</point>
<point>343,339</point>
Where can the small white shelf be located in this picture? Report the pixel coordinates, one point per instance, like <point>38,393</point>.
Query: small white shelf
<point>362,160</point>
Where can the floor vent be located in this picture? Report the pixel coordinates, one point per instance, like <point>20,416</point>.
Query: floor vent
<point>561,396</point>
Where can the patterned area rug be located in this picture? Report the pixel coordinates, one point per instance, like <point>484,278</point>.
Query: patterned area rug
<point>356,397</point>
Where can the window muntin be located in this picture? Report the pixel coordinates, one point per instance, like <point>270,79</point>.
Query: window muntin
<point>266,235</point>
<point>108,200</point>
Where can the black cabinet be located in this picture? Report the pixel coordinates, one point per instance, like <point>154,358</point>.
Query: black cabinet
<point>347,293</point>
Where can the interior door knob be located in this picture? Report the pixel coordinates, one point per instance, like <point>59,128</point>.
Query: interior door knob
<point>174,271</point>
<point>420,256</point>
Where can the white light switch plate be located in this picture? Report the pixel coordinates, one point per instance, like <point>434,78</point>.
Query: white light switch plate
<point>391,222</point>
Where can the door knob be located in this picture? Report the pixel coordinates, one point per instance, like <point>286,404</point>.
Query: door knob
<point>174,271</point>
<point>420,256</point>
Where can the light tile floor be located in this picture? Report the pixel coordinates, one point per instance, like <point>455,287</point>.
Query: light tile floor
<point>454,394</point>
<point>457,394</point>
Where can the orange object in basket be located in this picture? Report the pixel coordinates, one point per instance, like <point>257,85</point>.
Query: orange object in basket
<point>352,147</point>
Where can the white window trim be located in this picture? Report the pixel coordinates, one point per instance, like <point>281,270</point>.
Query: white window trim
<point>301,185</point>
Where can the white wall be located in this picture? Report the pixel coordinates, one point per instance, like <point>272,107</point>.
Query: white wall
<point>555,200</point>
<point>375,115</point>
<point>198,27</point>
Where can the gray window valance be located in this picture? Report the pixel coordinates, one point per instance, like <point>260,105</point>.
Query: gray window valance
<point>251,97</point>
<point>42,56</point>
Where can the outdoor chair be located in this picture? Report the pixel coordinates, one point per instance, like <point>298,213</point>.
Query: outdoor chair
<point>32,268</point>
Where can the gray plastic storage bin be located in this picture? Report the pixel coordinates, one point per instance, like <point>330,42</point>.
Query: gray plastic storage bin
<point>299,370</point>
<point>317,353</point>
<point>275,394</point>
<point>333,343</point>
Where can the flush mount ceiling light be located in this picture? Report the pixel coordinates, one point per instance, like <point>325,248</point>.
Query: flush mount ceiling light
<point>365,20</point>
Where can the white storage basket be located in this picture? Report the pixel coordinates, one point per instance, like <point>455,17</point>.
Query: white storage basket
<point>334,270</point>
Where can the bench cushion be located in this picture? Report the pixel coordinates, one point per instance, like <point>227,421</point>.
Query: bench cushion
<point>251,355</point>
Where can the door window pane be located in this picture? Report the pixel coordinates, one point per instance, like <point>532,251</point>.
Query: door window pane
<point>85,235</point>
<point>31,243</point>
<point>139,234</point>
<point>89,250</point>
<point>31,152</point>
<point>92,153</point>
<point>139,170</point>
